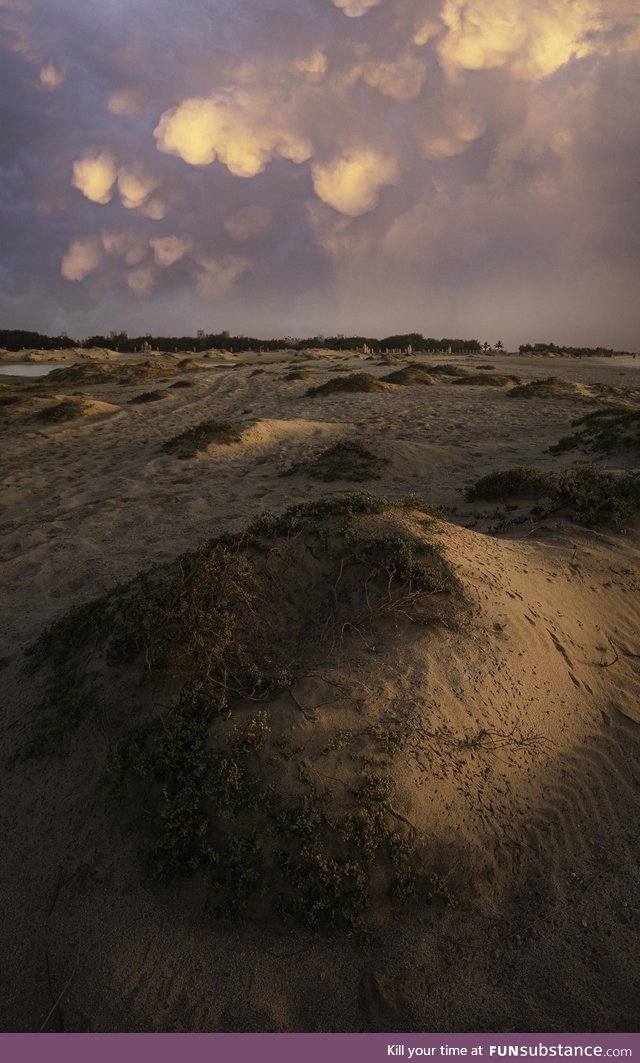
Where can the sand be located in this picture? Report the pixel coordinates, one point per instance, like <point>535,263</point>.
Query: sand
<point>520,769</point>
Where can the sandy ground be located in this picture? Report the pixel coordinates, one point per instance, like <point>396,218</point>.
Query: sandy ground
<point>522,772</point>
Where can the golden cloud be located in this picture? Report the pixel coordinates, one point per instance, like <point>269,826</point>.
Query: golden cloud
<point>95,175</point>
<point>82,257</point>
<point>168,250</point>
<point>244,130</point>
<point>351,182</point>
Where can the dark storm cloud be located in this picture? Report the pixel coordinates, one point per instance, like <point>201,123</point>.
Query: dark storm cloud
<point>369,165</point>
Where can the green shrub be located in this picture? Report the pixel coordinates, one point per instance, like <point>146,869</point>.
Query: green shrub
<point>519,482</point>
<point>189,443</point>
<point>605,431</point>
<point>345,460</point>
<point>147,396</point>
<point>410,374</point>
<point>65,410</point>
<point>354,382</point>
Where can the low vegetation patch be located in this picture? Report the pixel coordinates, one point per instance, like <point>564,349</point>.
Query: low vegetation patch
<point>194,440</point>
<point>64,410</point>
<point>345,460</point>
<point>603,431</point>
<point>184,384</point>
<point>148,396</point>
<point>238,750</point>
<point>551,387</point>
<point>495,380</point>
<point>353,382</point>
<point>519,482</point>
<point>588,494</point>
<point>298,374</point>
<point>410,374</point>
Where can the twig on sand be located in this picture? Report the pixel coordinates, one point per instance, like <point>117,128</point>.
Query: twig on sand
<point>66,987</point>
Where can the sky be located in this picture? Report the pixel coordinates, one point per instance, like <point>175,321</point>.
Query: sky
<point>301,167</point>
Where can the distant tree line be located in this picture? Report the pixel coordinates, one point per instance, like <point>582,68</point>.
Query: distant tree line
<point>19,340</point>
<point>577,352</point>
<point>16,340</point>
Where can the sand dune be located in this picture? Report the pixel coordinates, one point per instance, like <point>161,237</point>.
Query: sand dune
<point>516,769</point>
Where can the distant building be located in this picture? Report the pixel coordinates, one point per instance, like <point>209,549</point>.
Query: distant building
<point>200,334</point>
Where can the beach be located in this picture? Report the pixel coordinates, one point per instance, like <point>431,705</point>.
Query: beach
<point>517,767</point>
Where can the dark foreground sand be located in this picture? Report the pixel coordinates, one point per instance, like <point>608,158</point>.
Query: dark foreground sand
<point>519,769</point>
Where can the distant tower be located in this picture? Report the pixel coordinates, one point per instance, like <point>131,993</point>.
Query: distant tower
<point>200,334</point>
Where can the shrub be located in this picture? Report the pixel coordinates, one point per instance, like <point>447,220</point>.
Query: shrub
<point>65,410</point>
<point>345,460</point>
<point>189,443</point>
<point>353,382</point>
<point>547,388</point>
<point>608,430</point>
<point>519,482</point>
<point>147,396</point>
<point>410,374</point>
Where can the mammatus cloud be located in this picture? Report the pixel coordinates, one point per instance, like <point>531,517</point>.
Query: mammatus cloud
<point>168,250</point>
<point>216,277</point>
<point>248,222</point>
<point>135,186</point>
<point>52,76</point>
<point>95,175</point>
<point>83,256</point>
<point>141,281</point>
<point>507,131</point>
<point>351,182</point>
<point>532,40</point>
<point>131,101</point>
<point>355,8</point>
<point>243,129</point>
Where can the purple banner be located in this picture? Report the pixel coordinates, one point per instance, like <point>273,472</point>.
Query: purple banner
<point>312,1048</point>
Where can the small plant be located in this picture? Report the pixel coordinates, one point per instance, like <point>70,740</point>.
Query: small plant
<point>194,440</point>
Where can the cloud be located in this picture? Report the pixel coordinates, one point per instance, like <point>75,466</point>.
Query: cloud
<point>52,76</point>
<point>532,39</point>
<point>135,186</point>
<point>243,129</point>
<point>217,277</point>
<point>129,101</point>
<point>355,8</point>
<point>351,182</point>
<point>248,222</point>
<point>127,244</point>
<point>400,79</point>
<point>95,175</point>
<point>168,250</point>
<point>313,65</point>
<point>83,256</point>
<point>141,281</point>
